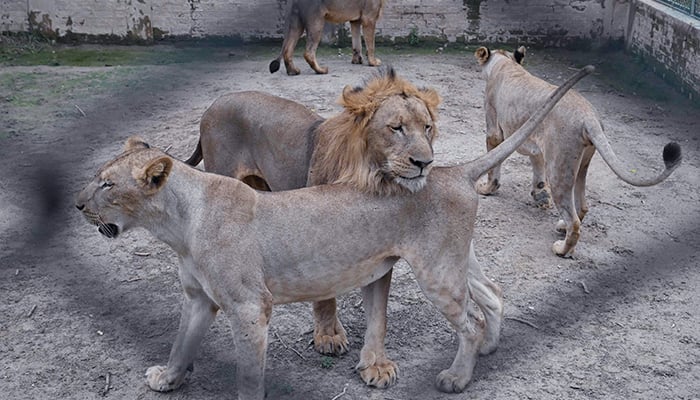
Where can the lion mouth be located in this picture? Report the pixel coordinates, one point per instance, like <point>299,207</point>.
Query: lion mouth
<point>419,176</point>
<point>109,230</point>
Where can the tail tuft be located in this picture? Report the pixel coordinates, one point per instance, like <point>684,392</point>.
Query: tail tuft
<point>672,154</point>
<point>274,66</point>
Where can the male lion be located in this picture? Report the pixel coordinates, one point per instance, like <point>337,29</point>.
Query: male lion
<point>561,149</point>
<point>242,251</point>
<point>311,15</point>
<point>382,142</point>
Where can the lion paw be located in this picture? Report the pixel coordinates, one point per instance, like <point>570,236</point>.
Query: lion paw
<point>356,57</point>
<point>291,71</point>
<point>374,62</point>
<point>542,197</point>
<point>560,227</point>
<point>450,383</point>
<point>487,187</point>
<point>379,374</point>
<point>157,379</point>
<point>331,340</point>
<point>488,346</point>
<point>562,250</point>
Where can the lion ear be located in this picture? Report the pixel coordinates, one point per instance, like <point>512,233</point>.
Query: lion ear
<point>154,174</point>
<point>355,100</point>
<point>430,96</point>
<point>135,142</point>
<point>432,100</point>
<point>482,55</point>
<point>519,54</point>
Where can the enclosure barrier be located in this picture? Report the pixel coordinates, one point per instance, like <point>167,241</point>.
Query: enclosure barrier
<point>690,7</point>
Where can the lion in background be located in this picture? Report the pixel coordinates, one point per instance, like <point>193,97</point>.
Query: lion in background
<point>561,149</point>
<point>381,142</point>
<point>311,16</point>
<point>242,251</point>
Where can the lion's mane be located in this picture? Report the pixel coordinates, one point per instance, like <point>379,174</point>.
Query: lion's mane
<point>342,154</point>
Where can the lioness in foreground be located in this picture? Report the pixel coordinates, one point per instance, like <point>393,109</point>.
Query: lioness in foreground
<point>381,143</point>
<point>243,251</point>
<point>311,15</point>
<point>561,149</point>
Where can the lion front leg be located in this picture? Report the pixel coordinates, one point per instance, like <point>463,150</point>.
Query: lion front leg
<point>375,368</point>
<point>198,313</point>
<point>249,321</point>
<point>329,335</point>
<point>314,30</point>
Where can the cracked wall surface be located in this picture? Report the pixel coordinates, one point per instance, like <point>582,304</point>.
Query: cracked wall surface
<point>556,22</point>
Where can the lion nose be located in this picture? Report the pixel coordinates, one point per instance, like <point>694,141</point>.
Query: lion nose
<point>80,207</point>
<point>418,163</point>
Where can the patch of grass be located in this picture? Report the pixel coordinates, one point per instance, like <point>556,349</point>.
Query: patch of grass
<point>327,362</point>
<point>413,38</point>
<point>30,50</point>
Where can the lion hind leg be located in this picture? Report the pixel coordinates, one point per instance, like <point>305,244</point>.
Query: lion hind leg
<point>294,31</point>
<point>457,376</point>
<point>487,295</point>
<point>314,30</point>
<point>562,193</point>
<point>494,137</point>
<point>375,368</point>
<point>450,294</point>
<point>249,318</point>
<point>540,190</point>
<point>580,185</point>
<point>355,30</point>
<point>329,334</point>
<point>368,28</point>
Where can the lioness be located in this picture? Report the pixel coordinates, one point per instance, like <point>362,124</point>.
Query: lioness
<point>561,149</point>
<point>382,142</point>
<point>242,251</point>
<point>311,15</point>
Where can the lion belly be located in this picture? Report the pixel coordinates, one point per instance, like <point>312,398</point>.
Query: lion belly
<point>314,281</point>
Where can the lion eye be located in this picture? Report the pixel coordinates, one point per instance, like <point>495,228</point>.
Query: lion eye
<point>397,129</point>
<point>428,128</point>
<point>106,185</point>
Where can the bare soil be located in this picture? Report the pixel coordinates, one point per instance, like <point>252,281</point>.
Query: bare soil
<point>82,317</point>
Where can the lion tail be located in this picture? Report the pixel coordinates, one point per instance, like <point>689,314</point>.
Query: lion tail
<point>483,164</point>
<point>275,65</point>
<point>671,155</point>
<point>196,157</point>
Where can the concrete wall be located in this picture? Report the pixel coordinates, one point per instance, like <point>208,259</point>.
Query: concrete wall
<point>546,22</point>
<point>669,41</point>
<point>666,38</point>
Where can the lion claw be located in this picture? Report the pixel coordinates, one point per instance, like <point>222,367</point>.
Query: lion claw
<point>379,375</point>
<point>331,344</point>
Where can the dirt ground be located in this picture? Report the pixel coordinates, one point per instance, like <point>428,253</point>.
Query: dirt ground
<point>82,316</point>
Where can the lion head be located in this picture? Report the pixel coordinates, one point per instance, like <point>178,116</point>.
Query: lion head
<point>382,141</point>
<point>116,199</point>
<point>483,54</point>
